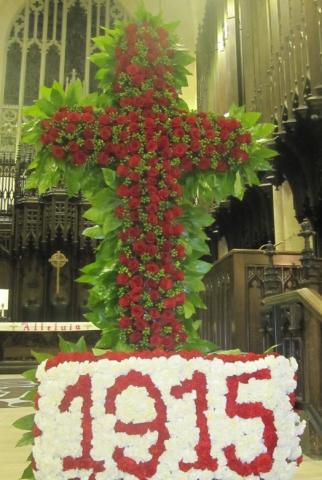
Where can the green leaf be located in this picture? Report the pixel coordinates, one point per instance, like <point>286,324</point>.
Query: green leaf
<point>235,351</point>
<point>194,283</point>
<point>196,325</point>
<point>111,223</point>
<point>99,59</point>
<point>34,111</point>
<point>188,309</point>
<point>239,187</point>
<point>46,106</point>
<point>41,356</point>
<point>30,375</point>
<point>98,351</point>
<point>28,473</point>
<point>94,232</point>
<point>199,266</point>
<point>57,98</point>
<point>74,93</point>
<point>26,439</point>
<point>248,119</point>
<point>123,347</point>
<point>203,346</point>
<point>79,346</point>
<point>109,177</point>
<point>272,348</point>
<point>30,395</point>
<point>268,152</point>
<point>95,215</point>
<point>25,423</point>
<point>196,300</point>
<point>109,338</point>
<point>200,245</point>
<point>263,130</point>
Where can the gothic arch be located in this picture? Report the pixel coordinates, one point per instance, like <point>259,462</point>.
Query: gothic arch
<point>51,40</point>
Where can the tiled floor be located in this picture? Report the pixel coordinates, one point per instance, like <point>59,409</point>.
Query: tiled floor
<point>12,460</point>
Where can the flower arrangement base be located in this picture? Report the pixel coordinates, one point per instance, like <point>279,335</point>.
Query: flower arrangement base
<point>166,416</point>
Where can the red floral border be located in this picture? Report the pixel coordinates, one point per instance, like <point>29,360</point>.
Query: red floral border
<point>119,356</point>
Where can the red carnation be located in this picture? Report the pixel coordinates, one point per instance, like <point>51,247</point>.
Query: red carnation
<point>180,250</point>
<point>204,163</point>
<point>124,301</point>
<point>125,322</point>
<point>88,133</point>
<point>122,170</point>
<point>135,337</point>
<point>70,128</point>
<point>152,267</point>
<point>103,159</point>
<point>122,279</point>
<point>134,145</point>
<point>58,151</point>
<point>122,191</point>
<point>133,265</point>
<point>72,116</point>
<point>137,311</point>
<point>179,149</point>
<point>166,283</point>
<point>134,161</point>
<point>222,166</point>
<point>133,69</point>
<point>88,146</point>
<point>105,133</point>
<point>73,146</point>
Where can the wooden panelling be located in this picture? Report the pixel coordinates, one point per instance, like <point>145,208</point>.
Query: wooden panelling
<point>234,289</point>
<point>278,44</point>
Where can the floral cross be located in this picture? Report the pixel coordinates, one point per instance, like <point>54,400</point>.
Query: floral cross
<point>148,167</point>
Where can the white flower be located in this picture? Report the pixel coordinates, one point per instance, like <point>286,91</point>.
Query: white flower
<point>62,431</point>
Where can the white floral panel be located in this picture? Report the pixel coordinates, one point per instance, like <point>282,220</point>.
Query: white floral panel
<point>171,417</point>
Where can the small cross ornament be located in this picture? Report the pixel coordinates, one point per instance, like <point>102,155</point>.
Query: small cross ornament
<point>58,261</point>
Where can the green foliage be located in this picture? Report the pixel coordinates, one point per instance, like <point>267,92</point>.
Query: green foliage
<point>28,473</point>
<point>79,346</point>
<point>25,423</point>
<point>26,439</point>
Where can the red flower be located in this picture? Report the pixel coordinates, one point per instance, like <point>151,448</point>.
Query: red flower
<point>122,279</point>
<point>245,138</point>
<point>180,149</point>
<point>133,69</point>
<point>58,151</point>
<point>134,161</point>
<point>134,145</point>
<point>122,191</point>
<point>70,128</point>
<point>133,265</point>
<point>88,146</point>
<point>222,166</point>
<point>166,283</point>
<point>135,337</point>
<point>137,311</point>
<point>224,135</point>
<point>125,322</point>
<point>151,267</point>
<point>204,163</point>
<point>122,171</point>
<point>105,133</point>
<point>239,154</point>
<point>73,146</point>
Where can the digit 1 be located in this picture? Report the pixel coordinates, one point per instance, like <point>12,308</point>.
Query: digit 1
<point>198,383</point>
<point>141,470</point>
<point>83,389</point>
